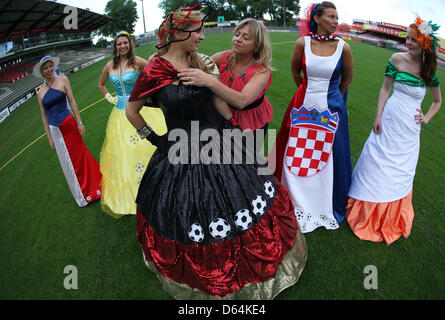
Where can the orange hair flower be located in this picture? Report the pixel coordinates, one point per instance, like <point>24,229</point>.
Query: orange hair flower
<point>425,37</point>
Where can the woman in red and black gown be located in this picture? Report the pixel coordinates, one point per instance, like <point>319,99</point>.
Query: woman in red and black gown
<point>208,227</point>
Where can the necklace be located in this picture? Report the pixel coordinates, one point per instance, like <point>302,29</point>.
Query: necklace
<point>119,67</point>
<point>319,37</point>
<point>49,85</point>
<point>122,82</point>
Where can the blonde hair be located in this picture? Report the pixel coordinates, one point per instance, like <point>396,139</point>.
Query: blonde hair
<point>170,24</point>
<point>263,51</point>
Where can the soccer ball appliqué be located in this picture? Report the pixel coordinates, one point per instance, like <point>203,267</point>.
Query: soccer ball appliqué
<point>299,214</point>
<point>269,189</point>
<point>243,219</point>
<point>219,228</point>
<point>196,233</point>
<point>258,205</point>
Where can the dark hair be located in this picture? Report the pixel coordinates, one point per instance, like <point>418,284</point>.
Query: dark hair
<point>429,64</point>
<point>130,55</point>
<point>318,10</point>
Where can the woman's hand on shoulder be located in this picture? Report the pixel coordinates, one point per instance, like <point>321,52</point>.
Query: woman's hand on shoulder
<point>195,77</point>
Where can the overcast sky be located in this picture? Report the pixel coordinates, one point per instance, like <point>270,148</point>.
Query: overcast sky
<point>401,12</point>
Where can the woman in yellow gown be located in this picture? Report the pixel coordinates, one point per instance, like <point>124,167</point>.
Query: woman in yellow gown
<point>124,156</point>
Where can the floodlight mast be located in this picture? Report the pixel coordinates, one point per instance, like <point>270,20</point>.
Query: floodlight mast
<point>143,16</point>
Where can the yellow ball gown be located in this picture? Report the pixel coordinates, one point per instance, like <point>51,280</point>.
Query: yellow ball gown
<point>124,156</point>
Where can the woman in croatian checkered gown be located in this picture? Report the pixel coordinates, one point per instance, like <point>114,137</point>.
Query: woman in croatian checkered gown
<point>379,208</point>
<point>312,148</point>
<point>209,226</point>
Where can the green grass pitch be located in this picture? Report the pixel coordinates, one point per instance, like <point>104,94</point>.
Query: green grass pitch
<point>42,229</point>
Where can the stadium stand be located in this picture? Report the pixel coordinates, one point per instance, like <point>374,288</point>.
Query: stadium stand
<point>388,35</point>
<point>31,29</point>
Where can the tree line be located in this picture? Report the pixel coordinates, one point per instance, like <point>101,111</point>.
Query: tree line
<point>272,12</point>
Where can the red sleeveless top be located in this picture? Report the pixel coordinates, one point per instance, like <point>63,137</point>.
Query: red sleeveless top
<point>254,118</point>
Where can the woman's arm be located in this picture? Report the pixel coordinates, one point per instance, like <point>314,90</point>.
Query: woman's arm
<point>45,122</point>
<point>222,107</point>
<point>347,70</point>
<point>133,115</point>
<point>437,102</point>
<point>103,78</point>
<point>144,130</point>
<point>385,91</point>
<point>237,99</point>
<point>101,84</point>
<point>296,61</point>
<point>217,57</point>
<point>73,104</point>
<point>152,56</point>
<point>141,63</point>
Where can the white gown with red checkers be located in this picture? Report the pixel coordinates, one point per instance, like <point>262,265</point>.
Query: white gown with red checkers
<point>308,169</point>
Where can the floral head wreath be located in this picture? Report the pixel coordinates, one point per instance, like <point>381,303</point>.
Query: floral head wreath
<point>171,24</point>
<point>426,37</point>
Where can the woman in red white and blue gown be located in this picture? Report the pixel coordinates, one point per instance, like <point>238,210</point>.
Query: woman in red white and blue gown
<point>312,148</point>
<point>81,170</point>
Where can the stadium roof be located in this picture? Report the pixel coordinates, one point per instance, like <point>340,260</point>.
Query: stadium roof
<point>18,17</point>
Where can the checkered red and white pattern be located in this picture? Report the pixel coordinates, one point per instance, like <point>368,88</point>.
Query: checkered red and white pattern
<point>308,150</point>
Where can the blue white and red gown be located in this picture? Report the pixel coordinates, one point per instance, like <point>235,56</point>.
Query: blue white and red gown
<point>312,148</point>
<point>81,170</point>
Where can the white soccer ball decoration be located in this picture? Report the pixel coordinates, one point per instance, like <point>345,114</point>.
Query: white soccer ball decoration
<point>269,189</point>
<point>196,233</point>
<point>219,228</point>
<point>258,205</point>
<point>243,219</point>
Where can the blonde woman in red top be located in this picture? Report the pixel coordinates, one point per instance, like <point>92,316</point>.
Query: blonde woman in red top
<point>245,75</point>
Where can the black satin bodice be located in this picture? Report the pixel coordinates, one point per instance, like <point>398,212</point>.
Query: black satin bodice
<point>182,104</point>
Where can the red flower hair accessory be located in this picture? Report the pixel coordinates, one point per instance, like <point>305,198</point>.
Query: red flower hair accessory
<point>172,23</point>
